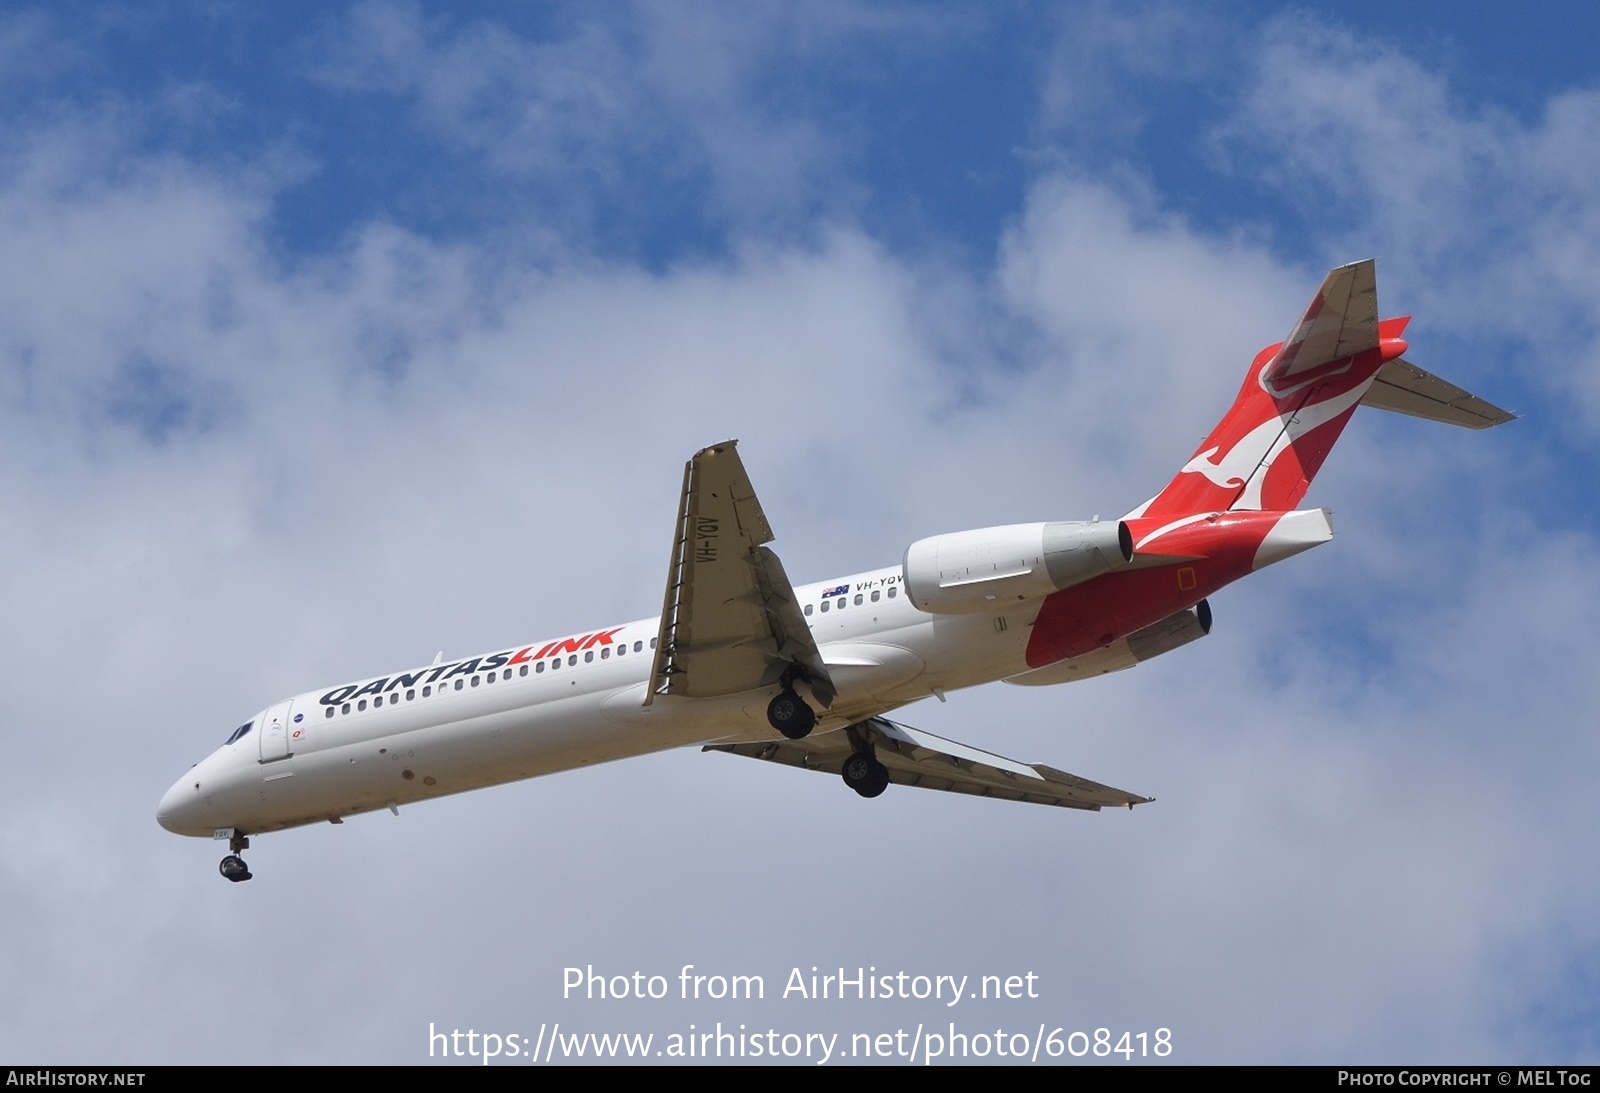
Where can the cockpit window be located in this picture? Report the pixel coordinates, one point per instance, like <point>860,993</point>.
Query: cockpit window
<point>240,731</point>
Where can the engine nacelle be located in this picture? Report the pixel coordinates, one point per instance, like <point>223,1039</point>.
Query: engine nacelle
<point>1172,632</point>
<point>987,568</point>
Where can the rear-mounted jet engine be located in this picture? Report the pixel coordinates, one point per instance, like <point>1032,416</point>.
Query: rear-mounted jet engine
<point>979,570</point>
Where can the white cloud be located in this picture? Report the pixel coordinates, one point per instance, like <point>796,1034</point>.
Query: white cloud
<point>1492,216</point>
<point>686,101</point>
<point>410,444</point>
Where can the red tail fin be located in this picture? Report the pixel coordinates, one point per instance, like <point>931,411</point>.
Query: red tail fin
<point>1295,402</point>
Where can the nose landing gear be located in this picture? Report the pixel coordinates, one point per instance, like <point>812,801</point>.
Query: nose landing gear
<point>233,866</point>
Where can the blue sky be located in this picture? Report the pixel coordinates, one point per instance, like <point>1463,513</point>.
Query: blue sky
<point>331,335</point>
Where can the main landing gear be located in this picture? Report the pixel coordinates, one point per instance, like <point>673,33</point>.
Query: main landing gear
<point>233,866</point>
<point>863,773</point>
<point>789,714</point>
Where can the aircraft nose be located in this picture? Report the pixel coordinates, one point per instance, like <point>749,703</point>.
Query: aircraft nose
<point>179,805</point>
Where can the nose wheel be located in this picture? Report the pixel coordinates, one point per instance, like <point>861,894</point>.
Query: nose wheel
<point>233,866</point>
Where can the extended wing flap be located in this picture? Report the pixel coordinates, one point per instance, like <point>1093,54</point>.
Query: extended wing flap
<point>917,758</point>
<point>730,613</point>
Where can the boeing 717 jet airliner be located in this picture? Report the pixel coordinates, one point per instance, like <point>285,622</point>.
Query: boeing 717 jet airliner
<point>742,661</point>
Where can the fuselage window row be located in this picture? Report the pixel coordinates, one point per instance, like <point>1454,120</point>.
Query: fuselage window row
<point>427,692</point>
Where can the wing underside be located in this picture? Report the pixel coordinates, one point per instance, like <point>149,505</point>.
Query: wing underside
<point>731,621</point>
<point>916,758</point>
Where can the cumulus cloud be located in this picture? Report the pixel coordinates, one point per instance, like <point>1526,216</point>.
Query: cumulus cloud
<point>237,472</point>
<point>1494,213</point>
<point>620,113</point>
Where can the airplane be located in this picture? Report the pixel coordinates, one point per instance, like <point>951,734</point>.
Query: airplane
<point>742,661</point>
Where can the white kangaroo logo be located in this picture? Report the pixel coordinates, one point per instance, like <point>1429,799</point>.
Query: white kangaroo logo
<point>1248,461</point>
<point>1215,473</point>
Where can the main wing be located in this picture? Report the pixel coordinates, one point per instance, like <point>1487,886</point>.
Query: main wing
<point>916,758</point>
<point>731,621</point>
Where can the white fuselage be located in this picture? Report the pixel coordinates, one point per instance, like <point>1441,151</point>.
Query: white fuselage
<point>554,706</point>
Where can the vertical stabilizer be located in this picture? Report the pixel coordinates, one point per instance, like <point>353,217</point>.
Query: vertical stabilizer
<point>1293,405</point>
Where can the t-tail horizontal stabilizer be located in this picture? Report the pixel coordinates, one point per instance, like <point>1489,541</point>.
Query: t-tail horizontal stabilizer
<point>1299,394</point>
<point>1404,388</point>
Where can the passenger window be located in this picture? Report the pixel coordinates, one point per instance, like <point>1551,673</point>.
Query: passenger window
<point>892,590</point>
<point>459,685</point>
<point>522,671</point>
<point>652,643</point>
<point>874,595</point>
<point>376,702</point>
<point>825,606</point>
<point>345,708</point>
<point>361,705</point>
<point>858,599</point>
<point>506,674</point>
<point>427,691</point>
<point>808,610</point>
<point>539,667</point>
<point>330,712</point>
<point>588,658</point>
<point>573,659</point>
<point>605,653</point>
<point>554,664</point>
<point>474,681</point>
<point>638,645</point>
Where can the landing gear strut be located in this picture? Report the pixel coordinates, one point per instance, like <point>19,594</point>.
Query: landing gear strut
<point>233,866</point>
<point>863,773</point>
<point>789,714</point>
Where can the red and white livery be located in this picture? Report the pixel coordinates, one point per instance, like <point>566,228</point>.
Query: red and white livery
<point>742,661</point>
